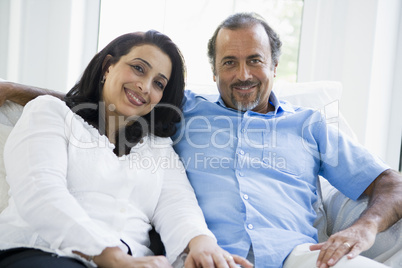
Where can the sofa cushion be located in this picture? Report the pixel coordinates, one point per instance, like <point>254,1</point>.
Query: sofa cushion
<point>4,132</point>
<point>9,114</point>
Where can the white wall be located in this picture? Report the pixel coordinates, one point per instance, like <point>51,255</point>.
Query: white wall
<point>355,42</point>
<point>4,22</point>
<point>395,126</point>
<point>48,42</point>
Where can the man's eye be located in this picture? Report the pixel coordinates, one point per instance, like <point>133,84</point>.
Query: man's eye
<point>255,61</point>
<point>229,62</point>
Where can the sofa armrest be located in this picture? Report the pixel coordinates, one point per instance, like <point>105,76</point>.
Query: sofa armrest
<point>10,112</point>
<point>341,212</point>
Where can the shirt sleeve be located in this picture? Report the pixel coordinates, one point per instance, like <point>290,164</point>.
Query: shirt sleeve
<point>177,217</point>
<point>36,159</point>
<point>346,164</point>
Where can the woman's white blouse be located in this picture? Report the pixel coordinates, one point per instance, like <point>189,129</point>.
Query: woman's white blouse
<point>69,191</point>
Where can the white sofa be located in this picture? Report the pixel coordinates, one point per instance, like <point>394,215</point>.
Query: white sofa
<point>335,211</point>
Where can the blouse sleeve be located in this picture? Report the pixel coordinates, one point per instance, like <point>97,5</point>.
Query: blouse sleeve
<point>36,165</point>
<point>177,217</point>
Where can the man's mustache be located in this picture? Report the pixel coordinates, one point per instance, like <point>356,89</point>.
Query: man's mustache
<point>247,83</point>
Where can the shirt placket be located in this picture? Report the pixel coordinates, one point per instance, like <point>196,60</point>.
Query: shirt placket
<point>242,155</point>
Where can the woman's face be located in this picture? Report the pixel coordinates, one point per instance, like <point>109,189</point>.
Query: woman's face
<point>135,84</point>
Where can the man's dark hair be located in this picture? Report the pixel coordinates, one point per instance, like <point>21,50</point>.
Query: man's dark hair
<point>241,21</point>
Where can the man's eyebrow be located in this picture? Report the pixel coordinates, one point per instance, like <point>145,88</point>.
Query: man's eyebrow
<point>228,58</point>
<point>255,56</point>
<point>150,66</point>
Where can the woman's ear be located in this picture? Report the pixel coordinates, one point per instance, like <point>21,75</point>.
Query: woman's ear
<point>106,64</point>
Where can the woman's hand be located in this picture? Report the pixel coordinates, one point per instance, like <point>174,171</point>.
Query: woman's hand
<point>204,252</point>
<point>115,257</point>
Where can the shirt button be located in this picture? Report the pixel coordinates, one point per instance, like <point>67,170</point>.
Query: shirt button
<point>243,130</point>
<point>241,152</point>
<point>250,226</point>
<point>245,197</point>
<point>241,174</point>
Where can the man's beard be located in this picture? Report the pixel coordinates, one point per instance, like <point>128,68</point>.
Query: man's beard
<point>246,104</point>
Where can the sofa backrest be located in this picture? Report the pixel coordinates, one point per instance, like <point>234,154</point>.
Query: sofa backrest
<point>320,95</point>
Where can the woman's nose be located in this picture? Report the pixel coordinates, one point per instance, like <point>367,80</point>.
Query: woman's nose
<point>144,86</point>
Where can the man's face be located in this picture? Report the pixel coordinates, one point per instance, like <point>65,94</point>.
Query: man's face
<point>244,71</point>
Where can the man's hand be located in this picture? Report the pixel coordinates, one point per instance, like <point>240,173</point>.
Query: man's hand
<point>116,258</point>
<point>22,94</point>
<point>351,242</point>
<point>204,252</point>
<point>383,210</point>
<point>5,92</point>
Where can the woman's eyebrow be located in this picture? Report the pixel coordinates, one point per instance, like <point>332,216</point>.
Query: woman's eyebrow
<point>150,66</point>
<point>144,61</point>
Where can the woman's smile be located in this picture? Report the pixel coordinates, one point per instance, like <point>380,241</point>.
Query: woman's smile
<point>134,98</point>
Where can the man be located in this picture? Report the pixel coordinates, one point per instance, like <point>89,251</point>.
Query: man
<point>254,161</point>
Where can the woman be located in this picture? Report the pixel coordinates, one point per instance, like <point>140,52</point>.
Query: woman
<point>83,191</point>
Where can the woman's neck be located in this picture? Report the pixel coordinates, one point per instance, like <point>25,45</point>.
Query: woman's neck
<point>111,130</point>
<point>114,123</point>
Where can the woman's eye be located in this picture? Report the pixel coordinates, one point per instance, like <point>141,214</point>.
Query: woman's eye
<point>159,85</point>
<point>138,68</point>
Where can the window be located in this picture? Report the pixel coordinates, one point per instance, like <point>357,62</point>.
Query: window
<point>400,159</point>
<point>190,24</point>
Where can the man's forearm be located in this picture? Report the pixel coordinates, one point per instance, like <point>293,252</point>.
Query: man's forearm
<point>385,204</point>
<point>22,94</point>
<point>384,209</point>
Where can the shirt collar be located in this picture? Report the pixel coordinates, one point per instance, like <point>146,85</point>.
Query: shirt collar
<point>279,105</point>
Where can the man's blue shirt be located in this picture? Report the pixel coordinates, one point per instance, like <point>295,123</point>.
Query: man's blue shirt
<point>255,175</point>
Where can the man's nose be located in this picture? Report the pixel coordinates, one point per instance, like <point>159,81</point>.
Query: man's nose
<point>243,72</point>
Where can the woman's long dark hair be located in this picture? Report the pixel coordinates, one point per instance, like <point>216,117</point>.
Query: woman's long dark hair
<point>85,97</point>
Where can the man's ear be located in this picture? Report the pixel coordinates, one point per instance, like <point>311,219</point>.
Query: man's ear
<point>106,64</point>
<point>214,77</point>
<point>276,66</point>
